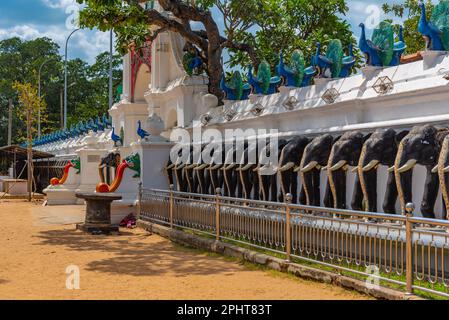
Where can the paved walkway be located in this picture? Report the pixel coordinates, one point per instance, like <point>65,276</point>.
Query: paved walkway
<point>39,243</point>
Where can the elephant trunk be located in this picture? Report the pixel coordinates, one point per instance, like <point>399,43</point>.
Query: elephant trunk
<point>442,165</point>
<point>336,174</point>
<point>403,177</point>
<point>367,170</point>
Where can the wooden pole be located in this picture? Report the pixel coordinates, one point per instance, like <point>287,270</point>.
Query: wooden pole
<point>10,123</point>
<point>62,108</point>
<point>29,156</point>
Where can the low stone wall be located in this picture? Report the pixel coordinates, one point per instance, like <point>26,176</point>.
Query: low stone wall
<point>274,263</point>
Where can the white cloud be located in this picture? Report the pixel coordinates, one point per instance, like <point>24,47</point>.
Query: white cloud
<point>58,4</point>
<point>85,43</point>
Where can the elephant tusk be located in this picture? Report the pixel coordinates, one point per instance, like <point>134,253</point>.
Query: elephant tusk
<point>312,165</point>
<point>231,166</point>
<point>247,167</point>
<point>170,166</point>
<point>408,166</point>
<point>340,164</point>
<point>391,169</point>
<point>370,166</point>
<point>180,167</point>
<point>355,169</point>
<point>286,167</point>
<point>435,169</point>
<point>446,170</point>
<point>324,168</point>
<point>201,167</point>
<point>191,166</point>
<point>217,166</point>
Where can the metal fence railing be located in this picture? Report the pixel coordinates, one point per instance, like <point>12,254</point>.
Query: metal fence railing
<point>405,251</point>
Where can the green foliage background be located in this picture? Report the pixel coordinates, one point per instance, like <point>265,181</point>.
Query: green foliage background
<point>87,97</point>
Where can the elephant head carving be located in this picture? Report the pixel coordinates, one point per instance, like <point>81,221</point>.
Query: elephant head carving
<point>345,153</point>
<point>112,159</point>
<point>316,156</point>
<point>443,170</point>
<point>380,149</point>
<point>421,146</point>
<point>289,161</point>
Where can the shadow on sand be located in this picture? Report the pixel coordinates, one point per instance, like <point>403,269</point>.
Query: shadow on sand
<point>132,256</point>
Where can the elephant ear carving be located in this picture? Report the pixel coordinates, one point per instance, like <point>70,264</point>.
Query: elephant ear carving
<point>440,19</point>
<point>366,137</point>
<point>335,54</point>
<point>401,135</point>
<point>383,38</point>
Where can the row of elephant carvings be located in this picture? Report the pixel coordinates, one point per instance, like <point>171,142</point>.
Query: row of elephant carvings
<point>304,158</point>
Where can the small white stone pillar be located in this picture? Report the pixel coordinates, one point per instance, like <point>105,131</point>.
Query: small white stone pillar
<point>64,194</point>
<point>90,157</point>
<point>154,153</point>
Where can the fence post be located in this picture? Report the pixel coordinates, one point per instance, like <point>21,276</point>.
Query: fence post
<point>217,213</point>
<point>409,208</point>
<point>171,203</point>
<point>139,205</point>
<point>288,235</point>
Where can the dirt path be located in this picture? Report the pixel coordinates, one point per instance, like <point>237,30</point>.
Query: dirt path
<point>39,243</point>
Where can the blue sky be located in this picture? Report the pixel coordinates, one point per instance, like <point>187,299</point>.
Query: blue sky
<point>30,19</point>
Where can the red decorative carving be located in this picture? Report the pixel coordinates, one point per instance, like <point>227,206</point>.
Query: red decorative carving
<point>138,58</point>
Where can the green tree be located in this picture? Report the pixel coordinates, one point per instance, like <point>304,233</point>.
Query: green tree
<point>19,62</point>
<point>87,97</point>
<point>254,29</point>
<point>411,11</point>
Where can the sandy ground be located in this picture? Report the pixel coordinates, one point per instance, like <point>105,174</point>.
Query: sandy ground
<point>39,243</point>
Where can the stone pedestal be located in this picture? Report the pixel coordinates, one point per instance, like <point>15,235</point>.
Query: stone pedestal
<point>98,213</point>
<point>90,157</point>
<point>154,157</point>
<point>63,194</point>
<point>126,115</point>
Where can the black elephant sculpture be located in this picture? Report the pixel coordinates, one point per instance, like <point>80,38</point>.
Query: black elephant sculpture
<point>217,155</point>
<point>421,146</point>
<point>290,160</point>
<point>345,153</point>
<point>111,160</point>
<point>267,172</point>
<point>232,183</point>
<point>315,158</point>
<point>248,175</point>
<point>380,149</point>
<point>443,170</point>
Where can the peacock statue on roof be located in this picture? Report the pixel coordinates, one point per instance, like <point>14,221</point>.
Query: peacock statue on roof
<point>382,50</point>
<point>295,74</point>
<point>192,62</point>
<point>334,64</point>
<point>436,30</point>
<point>263,83</point>
<point>235,89</point>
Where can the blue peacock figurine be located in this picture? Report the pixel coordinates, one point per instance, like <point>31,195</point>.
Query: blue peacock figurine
<point>295,74</point>
<point>382,51</point>
<point>235,89</point>
<point>263,83</point>
<point>114,136</point>
<point>140,132</point>
<point>435,31</point>
<point>347,63</point>
<point>320,62</point>
<point>192,62</point>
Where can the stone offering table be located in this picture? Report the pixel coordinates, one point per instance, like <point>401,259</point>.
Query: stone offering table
<point>14,186</point>
<point>98,213</point>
